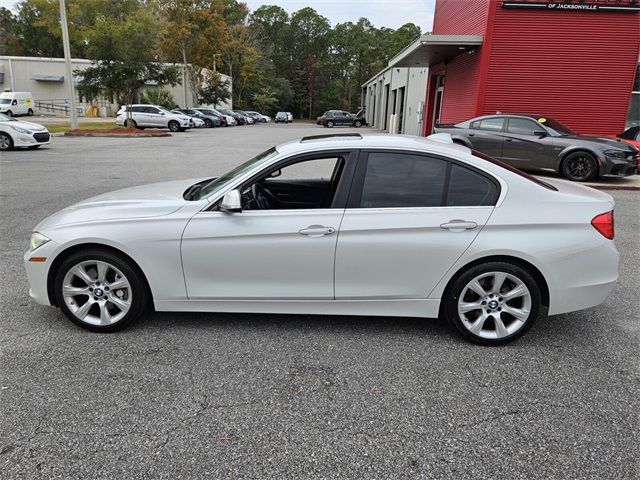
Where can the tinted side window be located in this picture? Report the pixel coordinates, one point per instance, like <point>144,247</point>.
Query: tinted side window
<point>492,124</point>
<point>403,180</point>
<point>522,126</point>
<point>475,125</point>
<point>468,188</point>
<point>152,110</point>
<point>137,109</point>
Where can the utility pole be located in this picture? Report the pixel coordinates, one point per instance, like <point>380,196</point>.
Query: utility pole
<point>67,60</point>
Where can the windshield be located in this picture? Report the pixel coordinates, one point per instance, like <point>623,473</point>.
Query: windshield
<point>556,127</point>
<point>5,101</point>
<point>215,185</point>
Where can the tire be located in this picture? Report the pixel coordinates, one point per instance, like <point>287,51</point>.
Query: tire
<point>492,322</point>
<point>130,123</point>
<point>6,142</point>
<point>30,113</point>
<point>102,315</point>
<point>174,126</point>
<point>579,167</point>
<point>330,124</point>
<point>357,124</point>
<point>208,123</point>
<point>9,113</point>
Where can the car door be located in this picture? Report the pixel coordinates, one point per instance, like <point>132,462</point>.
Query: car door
<point>527,145</point>
<point>155,118</point>
<point>285,251</point>
<point>487,135</point>
<point>403,228</point>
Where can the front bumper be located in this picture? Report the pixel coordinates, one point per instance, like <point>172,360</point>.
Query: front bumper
<point>38,271</point>
<point>619,167</point>
<point>29,140</point>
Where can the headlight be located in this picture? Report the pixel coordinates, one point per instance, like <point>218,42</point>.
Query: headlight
<point>21,130</point>
<point>37,240</point>
<point>616,153</point>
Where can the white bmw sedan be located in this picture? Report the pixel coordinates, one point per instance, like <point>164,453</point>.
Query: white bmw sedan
<point>337,224</point>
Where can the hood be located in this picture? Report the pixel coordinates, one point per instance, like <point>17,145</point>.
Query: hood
<point>144,201</point>
<point>34,127</point>
<point>607,142</point>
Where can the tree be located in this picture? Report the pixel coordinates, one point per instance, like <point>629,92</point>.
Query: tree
<point>214,89</point>
<point>158,96</point>
<point>124,58</point>
<point>9,41</point>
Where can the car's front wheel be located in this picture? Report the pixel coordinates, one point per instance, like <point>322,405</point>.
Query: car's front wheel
<point>580,167</point>
<point>493,303</point>
<point>6,142</point>
<point>99,291</point>
<point>174,126</point>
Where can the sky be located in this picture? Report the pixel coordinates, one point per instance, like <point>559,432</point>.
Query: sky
<point>382,13</point>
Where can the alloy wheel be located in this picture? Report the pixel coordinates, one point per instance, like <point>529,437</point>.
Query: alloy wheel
<point>494,305</point>
<point>5,142</point>
<point>96,292</point>
<point>580,167</point>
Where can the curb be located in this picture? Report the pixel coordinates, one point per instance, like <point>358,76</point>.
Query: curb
<point>632,188</point>
<point>117,135</point>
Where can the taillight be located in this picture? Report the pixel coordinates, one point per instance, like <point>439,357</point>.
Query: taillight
<point>604,224</point>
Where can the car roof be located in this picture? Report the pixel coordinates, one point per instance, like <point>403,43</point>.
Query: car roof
<point>370,141</point>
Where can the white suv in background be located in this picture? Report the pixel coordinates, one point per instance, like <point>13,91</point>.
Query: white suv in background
<point>153,116</point>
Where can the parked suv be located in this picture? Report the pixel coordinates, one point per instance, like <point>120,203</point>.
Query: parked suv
<point>332,118</point>
<point>282,117</point>
<point>153,116</point>
<point>536,142</point>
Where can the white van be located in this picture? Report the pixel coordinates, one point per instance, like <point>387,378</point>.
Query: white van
<point>16,103</point>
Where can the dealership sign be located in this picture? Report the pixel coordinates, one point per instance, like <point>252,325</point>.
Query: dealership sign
<point>578,5</point>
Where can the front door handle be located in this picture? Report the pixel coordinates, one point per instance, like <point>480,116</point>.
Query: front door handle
<point>316,231</point>
<point>459,225</point>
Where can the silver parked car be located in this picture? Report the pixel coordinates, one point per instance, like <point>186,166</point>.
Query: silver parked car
<point>153,116</point>
<point>342,225</point>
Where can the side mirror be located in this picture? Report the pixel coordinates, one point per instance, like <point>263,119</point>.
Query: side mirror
<point>540,133</point>
<point>231,202</point>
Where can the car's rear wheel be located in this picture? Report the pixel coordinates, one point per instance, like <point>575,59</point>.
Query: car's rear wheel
<point>6,142</point>
<point>580,167</point>
<point>493,303</point>
<point>357,124</point>
<point>208,123</point>
<point>174,126</point>
<point>99,291</point>
<point>130,123</point>
<point>330,123</point>
<point>30,112</point>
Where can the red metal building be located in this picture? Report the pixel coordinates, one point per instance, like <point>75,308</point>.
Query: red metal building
<point>574,60</point>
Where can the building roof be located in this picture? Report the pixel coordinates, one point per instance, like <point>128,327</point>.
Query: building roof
<point>433,49</point>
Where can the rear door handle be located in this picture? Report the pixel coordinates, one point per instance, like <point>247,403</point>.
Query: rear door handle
<point>316,231</point>
<point>459,225</point>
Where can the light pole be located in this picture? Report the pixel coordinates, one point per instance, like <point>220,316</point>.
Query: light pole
<point>67,60</point>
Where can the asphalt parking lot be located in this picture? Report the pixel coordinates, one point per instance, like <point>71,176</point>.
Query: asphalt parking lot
<point>283,396</point>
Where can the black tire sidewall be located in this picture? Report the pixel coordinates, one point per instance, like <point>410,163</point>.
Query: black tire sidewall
<point>594,164</point>
<point>357,124</point>
<point>2,134</point>
<point>174,126</point>
<point>450,300</point>
<point>329,124</point>
<point>208,123</point>
<point>138,287</point>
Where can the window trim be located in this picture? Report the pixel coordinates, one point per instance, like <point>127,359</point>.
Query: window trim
<point>357,186</point>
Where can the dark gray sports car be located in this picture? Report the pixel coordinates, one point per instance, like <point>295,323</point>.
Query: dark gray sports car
<point>534,142</point>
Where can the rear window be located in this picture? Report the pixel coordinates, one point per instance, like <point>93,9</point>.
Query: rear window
<point>506,166</point>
